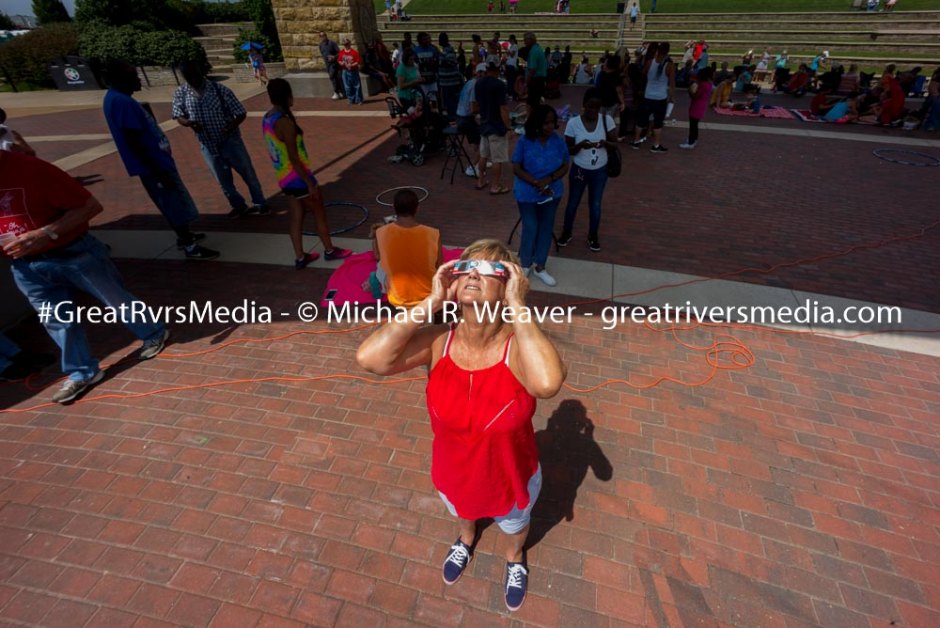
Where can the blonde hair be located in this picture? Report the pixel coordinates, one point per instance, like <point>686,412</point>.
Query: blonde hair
<point>489,249</point>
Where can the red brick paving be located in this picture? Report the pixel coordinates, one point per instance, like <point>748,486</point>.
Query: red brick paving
<point>800,491</point>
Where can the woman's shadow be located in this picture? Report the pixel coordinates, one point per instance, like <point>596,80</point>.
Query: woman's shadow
<point>567,450</point>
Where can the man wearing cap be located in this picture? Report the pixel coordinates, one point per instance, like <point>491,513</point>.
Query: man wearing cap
<point>536,71</point>
<point>348,59</point>
<point>491,104</point>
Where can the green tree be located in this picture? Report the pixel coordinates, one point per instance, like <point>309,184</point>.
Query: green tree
<point>6,24</point>
<point>262,15</point>
<point>50,11</point>
<point>25,57</point>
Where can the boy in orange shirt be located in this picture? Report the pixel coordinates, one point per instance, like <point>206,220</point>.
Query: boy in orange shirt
<point>408,253</point>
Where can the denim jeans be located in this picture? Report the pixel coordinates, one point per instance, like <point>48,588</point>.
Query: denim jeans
<point>230,155</point>
<point>537,224</point>
<point>51,278</point>
<point>579,179</point>
<point>174,203</point>
<point>450,95</point>
<point>353,85</point>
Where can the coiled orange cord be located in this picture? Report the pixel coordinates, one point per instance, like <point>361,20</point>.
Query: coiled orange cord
<point>726,352</point>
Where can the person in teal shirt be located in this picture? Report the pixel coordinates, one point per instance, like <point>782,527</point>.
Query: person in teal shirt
<point>408,78</point>
<point>536,71</point>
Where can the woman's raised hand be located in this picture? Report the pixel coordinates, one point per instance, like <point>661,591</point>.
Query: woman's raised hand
<point>443,286</point>
<point>517,286</point>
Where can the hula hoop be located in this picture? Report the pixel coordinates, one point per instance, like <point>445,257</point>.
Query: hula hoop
<point>365,217</point>
<point>378,198</point>
<point>882,153</point>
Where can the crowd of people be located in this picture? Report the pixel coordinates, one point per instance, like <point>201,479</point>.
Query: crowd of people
<point>485,464</point>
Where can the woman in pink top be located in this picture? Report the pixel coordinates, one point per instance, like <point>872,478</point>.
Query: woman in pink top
<point>700,91</point>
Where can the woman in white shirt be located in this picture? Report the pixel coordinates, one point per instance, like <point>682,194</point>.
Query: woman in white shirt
<point>588,137</point>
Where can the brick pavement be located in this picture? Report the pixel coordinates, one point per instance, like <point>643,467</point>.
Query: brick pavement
<point>800,491</point>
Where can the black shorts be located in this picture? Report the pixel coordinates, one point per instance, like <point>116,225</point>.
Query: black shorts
<point>655,108</point>
<point>298,193</point>
<point>467,125</point>
<point>536,91</point>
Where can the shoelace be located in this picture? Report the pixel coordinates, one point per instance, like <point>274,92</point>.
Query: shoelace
<point>458,555</point>
<point>515,577</point>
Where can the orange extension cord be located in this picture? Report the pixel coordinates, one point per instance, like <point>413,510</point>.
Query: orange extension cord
<point>725,353</point>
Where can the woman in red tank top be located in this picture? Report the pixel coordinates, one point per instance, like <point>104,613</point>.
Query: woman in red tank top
<point>485,376</point>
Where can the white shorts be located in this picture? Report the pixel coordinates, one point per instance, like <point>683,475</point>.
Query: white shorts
<point>495,147</point>
<point>516,519</point>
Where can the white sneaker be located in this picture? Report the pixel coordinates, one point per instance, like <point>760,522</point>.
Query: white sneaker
<point>335,96</point>
<point>528,271</point>
<point>547,279</point>
<point>687,146</point>
<point>471,171</point>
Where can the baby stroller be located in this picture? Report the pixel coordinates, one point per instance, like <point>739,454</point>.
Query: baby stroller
<point>420,124</point>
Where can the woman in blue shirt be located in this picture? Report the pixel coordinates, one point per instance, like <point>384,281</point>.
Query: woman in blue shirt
<point>539,162</point>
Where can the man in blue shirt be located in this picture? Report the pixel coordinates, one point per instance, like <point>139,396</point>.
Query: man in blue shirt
<point>428,59</point>
<point>214,113</point>
<point>145,151</point>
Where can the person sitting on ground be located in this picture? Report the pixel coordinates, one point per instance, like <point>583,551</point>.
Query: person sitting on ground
<point>11,140</point>
<point>820,104</point>
<point>407,252</point>
<point>891,99</point>
<point>908,79</point>
<point>799,82</point>
<point>850,81</point>
<point>929,112</point>
<point>760,72</point>
<point>744,79</point>
<point>721,97</point>
<point>723,74</point>
<point>685,75</point>
<point>842,111</point>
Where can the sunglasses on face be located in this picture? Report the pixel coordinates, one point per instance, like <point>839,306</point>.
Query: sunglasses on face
<point>483,267</point>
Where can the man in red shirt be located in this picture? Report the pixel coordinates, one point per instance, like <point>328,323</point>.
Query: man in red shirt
<point>348,59</point>
<point>44,215</point>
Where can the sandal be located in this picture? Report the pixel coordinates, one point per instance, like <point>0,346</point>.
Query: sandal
<point>500,190</point>
<point>480,186</point>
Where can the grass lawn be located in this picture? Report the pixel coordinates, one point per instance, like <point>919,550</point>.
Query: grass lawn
<point>441,7</point>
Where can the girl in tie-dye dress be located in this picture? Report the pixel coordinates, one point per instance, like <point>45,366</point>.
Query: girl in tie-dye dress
<point>285,142</point>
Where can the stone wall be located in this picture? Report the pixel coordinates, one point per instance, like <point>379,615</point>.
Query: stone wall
<point>299,23</point>
<point>244,74</point>
<point>158,75</point>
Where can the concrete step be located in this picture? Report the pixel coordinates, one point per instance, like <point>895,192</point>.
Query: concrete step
<point>814,16</point>
<point>836,49</point>
<point>223,29</point>
<point>915,37</point>
<point>214,42</point>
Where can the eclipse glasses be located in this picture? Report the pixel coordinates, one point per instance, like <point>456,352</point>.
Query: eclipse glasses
<point>483,267</point>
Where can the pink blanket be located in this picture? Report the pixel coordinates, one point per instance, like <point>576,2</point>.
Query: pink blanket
<point>779,113</point>
<point>347,279</point>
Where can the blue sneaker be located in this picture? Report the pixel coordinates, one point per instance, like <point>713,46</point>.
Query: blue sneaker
<point>517,580</point>
<point>457,560</point>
